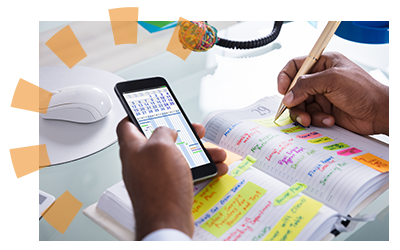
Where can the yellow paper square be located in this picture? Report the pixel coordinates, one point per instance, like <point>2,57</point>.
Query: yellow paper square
<point>211,194</point>
<point>295,219</point>
<point>320,140</point>
<point>283,120</point>
<point>234,209</point>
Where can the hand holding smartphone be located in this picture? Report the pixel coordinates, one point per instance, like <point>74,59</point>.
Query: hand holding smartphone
<point>150,103</point>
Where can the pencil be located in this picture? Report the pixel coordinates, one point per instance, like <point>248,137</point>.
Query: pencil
<point>312,58</point>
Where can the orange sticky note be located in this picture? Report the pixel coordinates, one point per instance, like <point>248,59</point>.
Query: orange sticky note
<point>61,213</point>
<point>30,97</point>
<point>373,161</point>
<point>29,159</point>
<point>230,157</point>
<point>67,47</point>
<point>175,46</point>
<point>124,24</point>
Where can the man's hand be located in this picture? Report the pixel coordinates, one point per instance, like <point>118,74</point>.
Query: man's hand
<point>158,178</point>
<point>336,91</point>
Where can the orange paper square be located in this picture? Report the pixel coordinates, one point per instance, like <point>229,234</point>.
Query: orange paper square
<point>29,159</point>
<point>373,161</point>
<point>175,46</point>
<point>67,47</point>
<point>230,157</point>
<point>62,212</point>
<point>124,24</point>
<point>30,97</point>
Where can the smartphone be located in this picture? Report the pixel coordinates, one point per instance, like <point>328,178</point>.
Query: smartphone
<point>150,103</point>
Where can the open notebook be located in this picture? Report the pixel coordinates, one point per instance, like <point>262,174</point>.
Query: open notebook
<point>294,183</point>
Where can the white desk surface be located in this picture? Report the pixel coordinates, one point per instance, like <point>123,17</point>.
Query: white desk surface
<point>87,178</point>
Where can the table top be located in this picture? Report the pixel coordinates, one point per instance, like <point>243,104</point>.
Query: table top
<point>204,82</point>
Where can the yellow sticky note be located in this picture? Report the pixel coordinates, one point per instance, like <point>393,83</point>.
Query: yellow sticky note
<point>295,219</point>
<point>320,140</point>
<point>292,192</point>
<point>61,213</point>
<point>234,209</point>
<point>373,161</point>
<point>243,166</point>
<point>211,194</point>
<point>283,120</point>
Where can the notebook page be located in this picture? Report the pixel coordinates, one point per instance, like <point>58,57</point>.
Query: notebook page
<point>263,216</point>
<point>295,154</point>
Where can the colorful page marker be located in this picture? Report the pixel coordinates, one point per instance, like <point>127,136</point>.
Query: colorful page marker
<point>30,97</point>
<point>124,24</point>
<point>309,135</point>
<point>373,161</point>
<point>292,129</point>
<point>295,219</point>
<point>292,192</point>
<point>234,209</point>
<point>27,160</point>
<point>159,24</point>
<point>211,194</point>
<point>336,146</point>
<point>283,120</point>
<point>175,46</point>
<point>320,140</point>
<point>62,212</point>
<point>349,151</point>
<point>153,28</point>
<point>67,47</point>
<point>243,166</point>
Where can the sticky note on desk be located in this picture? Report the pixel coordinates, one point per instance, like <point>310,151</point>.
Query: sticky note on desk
<point>243,166</point>
<point>62,212</point>
<point>234,209</point>
<point>373,161</point>
<point>211,194</point>
<point>295,219</point>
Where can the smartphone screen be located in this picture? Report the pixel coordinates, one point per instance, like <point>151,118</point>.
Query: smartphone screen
<point>156,107</point>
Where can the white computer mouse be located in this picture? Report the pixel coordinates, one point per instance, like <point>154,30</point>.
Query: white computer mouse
<point>80,103</point>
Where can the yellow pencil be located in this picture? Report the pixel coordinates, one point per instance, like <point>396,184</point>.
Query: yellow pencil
<point>312,58</point>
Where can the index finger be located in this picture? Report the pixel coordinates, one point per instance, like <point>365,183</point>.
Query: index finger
<point>287,74</point>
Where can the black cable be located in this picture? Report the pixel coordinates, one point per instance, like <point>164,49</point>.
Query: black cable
<point>254,43</point>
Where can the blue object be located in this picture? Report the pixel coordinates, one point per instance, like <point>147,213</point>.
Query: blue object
<point>371,32</point>
<point>152,28</point>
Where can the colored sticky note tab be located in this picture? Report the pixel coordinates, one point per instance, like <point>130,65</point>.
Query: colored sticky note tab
<point>234,209</point>
<point>175,46</point>
<point>211,194</point>
<point>283,120</point>
<point>292,129</point>
<point>373,161</point>
<point>310,135</point>
<point>349,151</point>
<point>62,212</point>
<point>67,47</point>
<point>336,146</point>
<point>30,97</point>
<point>289,194</point>
<point>27,160</point>
<point>320,140</point>
<point>159,24</point>
<point>295,219</point>
<point>152,28</point>
<point>243,166</point>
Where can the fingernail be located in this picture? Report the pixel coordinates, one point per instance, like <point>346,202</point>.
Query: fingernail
<point>327,121</point>
<point>288,98</point>
<point>298,119</point>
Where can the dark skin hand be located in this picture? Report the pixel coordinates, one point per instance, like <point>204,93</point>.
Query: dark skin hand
<point>336,91</point>
<point>158,178</point>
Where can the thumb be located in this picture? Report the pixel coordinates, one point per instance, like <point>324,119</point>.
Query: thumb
<point>308,85</point>
<point>164,134</point>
